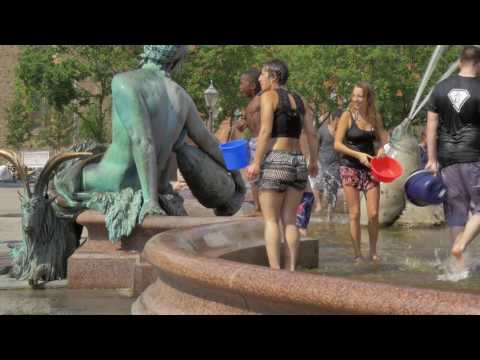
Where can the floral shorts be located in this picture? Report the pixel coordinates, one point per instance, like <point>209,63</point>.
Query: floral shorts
<point>360,179</point>
<point>281,170</point>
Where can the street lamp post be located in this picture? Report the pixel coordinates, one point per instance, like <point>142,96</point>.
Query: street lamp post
<point>211,99</point>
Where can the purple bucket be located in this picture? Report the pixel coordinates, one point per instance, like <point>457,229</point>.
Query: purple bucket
<point>423,188</point>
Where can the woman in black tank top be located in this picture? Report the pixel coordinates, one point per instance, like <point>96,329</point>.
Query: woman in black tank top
<point>357,131</point>
<point>279,165</point>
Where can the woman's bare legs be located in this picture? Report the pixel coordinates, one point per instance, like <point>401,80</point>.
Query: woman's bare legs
<point>373,202</point>
<point>289,219</point>
<point>352,197</point>
<point>271,204</point>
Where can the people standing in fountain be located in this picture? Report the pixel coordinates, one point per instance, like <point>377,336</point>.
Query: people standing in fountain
<point>250,87</point>
<point>279,163</point>
<point>330,162</point>
<point>453,141</point>
<point>357,131</point>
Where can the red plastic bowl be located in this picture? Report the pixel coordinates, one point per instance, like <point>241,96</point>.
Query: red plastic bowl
<point>386,169</point>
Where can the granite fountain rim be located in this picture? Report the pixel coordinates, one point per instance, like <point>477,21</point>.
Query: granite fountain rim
<point>336,294</point>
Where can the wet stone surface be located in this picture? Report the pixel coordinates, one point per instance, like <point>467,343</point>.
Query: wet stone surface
<point>16,297</point>
<point>65,302</point>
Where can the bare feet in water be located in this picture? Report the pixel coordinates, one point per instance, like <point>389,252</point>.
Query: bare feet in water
<point>358,259</point>
<point>374,257</point>
<point>457,250</point>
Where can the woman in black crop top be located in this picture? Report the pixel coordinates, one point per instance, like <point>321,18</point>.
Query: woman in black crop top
<point>279,165</point>
<point>358,129</point>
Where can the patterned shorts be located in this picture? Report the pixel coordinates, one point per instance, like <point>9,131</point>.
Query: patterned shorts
<point>281,170</point>
<point>360,179</point>
<point>463,192</point>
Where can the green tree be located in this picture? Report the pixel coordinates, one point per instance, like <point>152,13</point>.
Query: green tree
<point>19,118</point>
<point>56,129</point>
<point>394,71</point>
<point>223,64</point>
<point>76,79</point>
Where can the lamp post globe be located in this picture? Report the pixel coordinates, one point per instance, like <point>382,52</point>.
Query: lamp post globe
<point>211,100</point>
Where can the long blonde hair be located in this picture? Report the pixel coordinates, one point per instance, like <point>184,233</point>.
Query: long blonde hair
<point>369,93</point>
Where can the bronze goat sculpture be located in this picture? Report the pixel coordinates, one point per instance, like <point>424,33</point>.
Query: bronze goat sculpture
<point>49,236</point>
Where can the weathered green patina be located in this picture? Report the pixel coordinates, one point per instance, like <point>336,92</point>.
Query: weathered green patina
<point>151,117</point>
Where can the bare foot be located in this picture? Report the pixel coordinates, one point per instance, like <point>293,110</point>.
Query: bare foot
<point>358,259</point>
<point>374,257</point>
<point>317,210</point>
<point>303,232</point>
<point>457,251</point>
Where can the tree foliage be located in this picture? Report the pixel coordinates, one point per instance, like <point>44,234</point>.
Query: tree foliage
<point>317,72</point>
<point>75,80</point>
<point>20,117</point>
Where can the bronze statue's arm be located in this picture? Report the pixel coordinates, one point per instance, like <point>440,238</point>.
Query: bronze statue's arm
<point>208,143</point>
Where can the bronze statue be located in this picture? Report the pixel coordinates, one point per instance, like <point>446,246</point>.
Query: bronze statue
<point>151,117</point>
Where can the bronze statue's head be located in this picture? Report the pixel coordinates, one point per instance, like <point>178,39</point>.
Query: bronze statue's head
<point>166,56</point>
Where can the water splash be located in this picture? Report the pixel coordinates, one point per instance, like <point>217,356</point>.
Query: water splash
<point>452,269</point>
<point>454,276</point>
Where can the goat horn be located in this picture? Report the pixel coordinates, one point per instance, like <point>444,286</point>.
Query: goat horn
<point>52,165</point>
<point>13,159</point>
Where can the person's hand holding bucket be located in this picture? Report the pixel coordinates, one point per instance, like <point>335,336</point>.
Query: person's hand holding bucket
<point>381,153</point>
<point>432,166</point>
<point>364,159</point>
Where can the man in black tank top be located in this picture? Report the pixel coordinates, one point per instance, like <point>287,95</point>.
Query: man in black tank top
<point>453,141</point>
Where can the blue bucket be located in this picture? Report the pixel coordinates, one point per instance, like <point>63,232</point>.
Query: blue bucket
<point>236,154</point>
<point>422,188</point>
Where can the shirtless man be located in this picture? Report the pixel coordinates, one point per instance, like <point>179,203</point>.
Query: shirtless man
<point>250,87</point>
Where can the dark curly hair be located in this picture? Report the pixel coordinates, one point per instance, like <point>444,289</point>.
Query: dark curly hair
<point>254,74</point>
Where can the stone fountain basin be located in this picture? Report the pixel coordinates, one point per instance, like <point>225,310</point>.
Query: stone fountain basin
<point>222,269</point>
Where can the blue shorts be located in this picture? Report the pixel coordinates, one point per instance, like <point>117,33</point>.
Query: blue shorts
<point>463,192</point>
